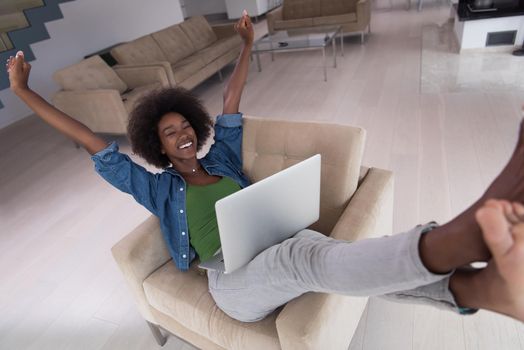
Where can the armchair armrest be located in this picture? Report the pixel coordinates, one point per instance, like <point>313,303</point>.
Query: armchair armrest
<point>272,17</point>
<point>370,210</point>
<point>224,30</point>
<point>101,110</point>
<point>328,321</point>
<point>364,11</point>
<point>138,255</point>
<point>139,75</point>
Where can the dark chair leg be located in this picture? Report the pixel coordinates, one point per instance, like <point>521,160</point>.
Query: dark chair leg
<point>159,337</point>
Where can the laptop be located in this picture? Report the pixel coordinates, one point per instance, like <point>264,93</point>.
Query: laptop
<point>266,213</point>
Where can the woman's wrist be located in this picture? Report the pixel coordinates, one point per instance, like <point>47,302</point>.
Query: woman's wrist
<point>20,90</point>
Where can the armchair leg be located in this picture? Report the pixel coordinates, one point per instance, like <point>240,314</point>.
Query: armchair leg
<point>160,339</point>
<point>220,75</point>
<point>362,37</point>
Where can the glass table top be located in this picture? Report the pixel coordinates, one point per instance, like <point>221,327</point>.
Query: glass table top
<point>295,39</point>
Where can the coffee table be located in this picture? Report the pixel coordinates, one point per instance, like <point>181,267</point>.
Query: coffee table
<point>301,39</point>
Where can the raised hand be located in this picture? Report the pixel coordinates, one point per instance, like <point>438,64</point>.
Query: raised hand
<point>244,28</point>
<point>18,70</point>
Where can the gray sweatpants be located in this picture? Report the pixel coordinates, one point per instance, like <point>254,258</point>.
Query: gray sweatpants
<point>311,262</point>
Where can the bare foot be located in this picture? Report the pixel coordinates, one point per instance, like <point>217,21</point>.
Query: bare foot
<point>500,286</point>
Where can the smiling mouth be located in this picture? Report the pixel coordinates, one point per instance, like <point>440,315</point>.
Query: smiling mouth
<point>186,145</point>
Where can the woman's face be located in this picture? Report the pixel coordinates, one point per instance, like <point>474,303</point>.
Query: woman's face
<point>177,136</point>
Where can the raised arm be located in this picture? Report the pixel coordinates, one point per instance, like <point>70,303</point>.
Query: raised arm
<point>234,87</point>
<point>18,70</point>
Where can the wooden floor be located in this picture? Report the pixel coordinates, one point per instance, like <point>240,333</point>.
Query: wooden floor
<point>60,289</point>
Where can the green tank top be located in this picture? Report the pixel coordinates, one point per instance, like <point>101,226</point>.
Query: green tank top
<point>201,216</point>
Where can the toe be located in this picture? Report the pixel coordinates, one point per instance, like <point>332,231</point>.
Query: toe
<point>518,208</point>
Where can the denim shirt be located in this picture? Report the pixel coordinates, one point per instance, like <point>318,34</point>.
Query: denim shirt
<point>164,194</point>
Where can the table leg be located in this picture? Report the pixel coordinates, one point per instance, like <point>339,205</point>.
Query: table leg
<point>342,41</point>
<point>324,62</point>
<point>334,44</point>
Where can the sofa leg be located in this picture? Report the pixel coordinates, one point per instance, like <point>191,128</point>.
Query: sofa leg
<point>160,339</point>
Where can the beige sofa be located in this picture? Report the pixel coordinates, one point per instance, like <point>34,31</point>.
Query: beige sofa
<point>189,52</point>
<point>356,202</point>
<point>101,97</point>
<point>352,15</point>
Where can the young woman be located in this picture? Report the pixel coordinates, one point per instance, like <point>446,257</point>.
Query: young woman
<point>169,126</point>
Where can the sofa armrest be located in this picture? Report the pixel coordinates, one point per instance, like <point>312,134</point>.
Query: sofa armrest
<point>328,321</point>
<point>272,17</point>
<point>364,11</point>
<point>100,110</point>
<point>224,30</point>
<point>138,255</point>
<point>140,75</point>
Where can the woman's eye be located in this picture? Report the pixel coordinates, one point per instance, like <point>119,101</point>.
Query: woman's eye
<point>187,126</point>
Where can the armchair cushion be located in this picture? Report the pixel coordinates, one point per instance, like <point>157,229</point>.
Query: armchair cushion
<point>199,32</point>
<point>270,146</point>
<point>90,74</point>
<point>184,296</point>
<point>175,44</point>
<point>139,51</point>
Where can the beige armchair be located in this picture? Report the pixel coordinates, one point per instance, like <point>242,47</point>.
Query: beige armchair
<point>356,202</point>
<point>352,15</point>
<point>101,97</point>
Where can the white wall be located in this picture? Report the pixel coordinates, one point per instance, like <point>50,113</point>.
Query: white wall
<point>87,26</point>
<point>204,7</point>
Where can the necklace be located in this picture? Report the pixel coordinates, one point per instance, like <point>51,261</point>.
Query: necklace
<point>193,171</point>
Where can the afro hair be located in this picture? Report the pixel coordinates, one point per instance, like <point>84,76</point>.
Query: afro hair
<point>142,129</point>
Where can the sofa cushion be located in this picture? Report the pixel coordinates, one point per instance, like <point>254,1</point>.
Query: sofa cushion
<point>184,296</point>
<point>90,74</point>
<point>143,50</point>
<point>219,48</point>
<point>199,32</point>
<point>296,9</point>
<point>175,44</point>
<point>340,19</point>
<point>293,23</point>
<point>132,96</point>
<point>187,67</point>
<point>337,7</point>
